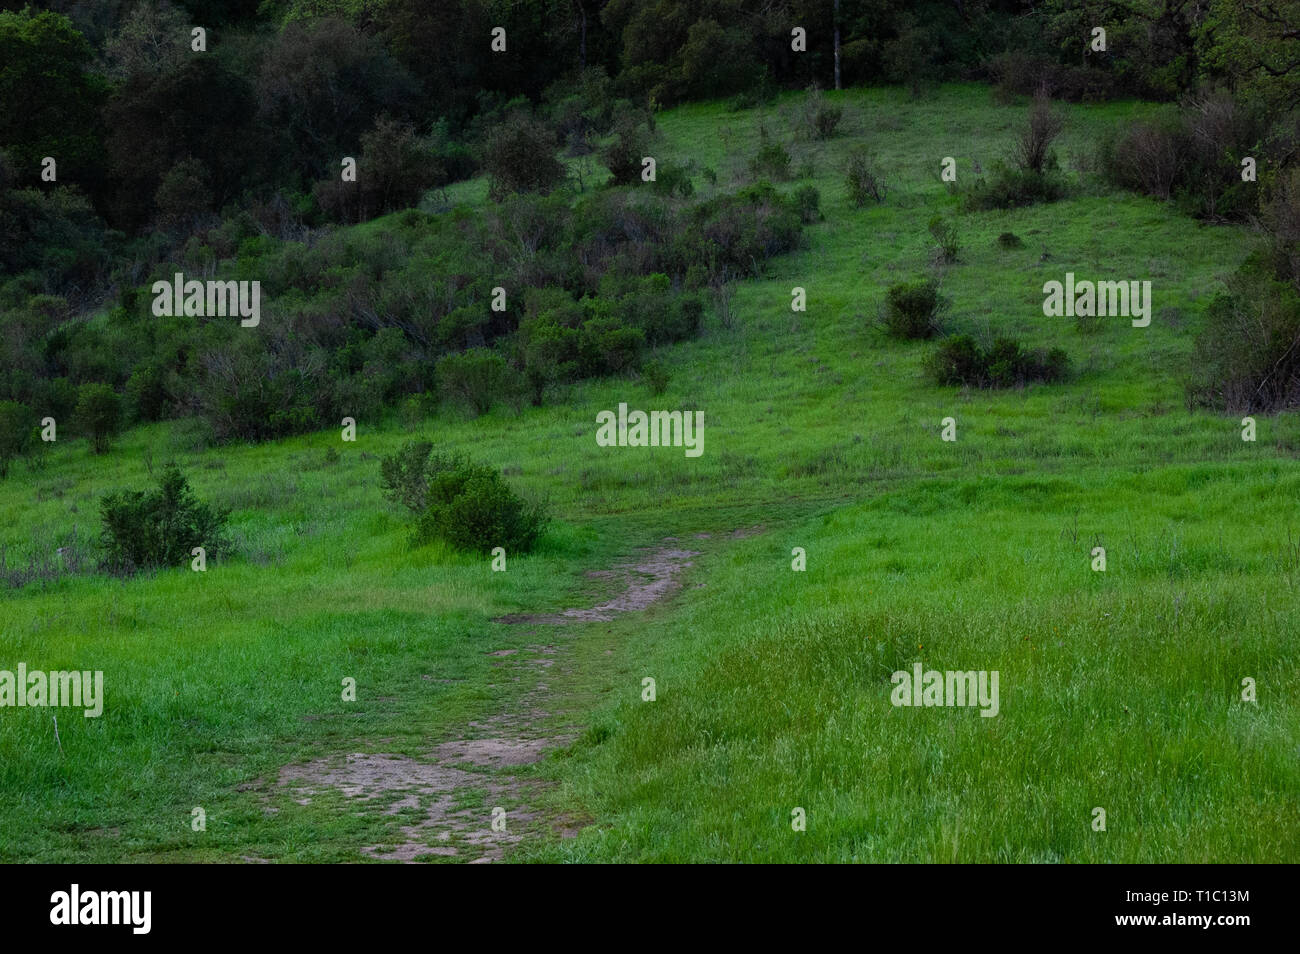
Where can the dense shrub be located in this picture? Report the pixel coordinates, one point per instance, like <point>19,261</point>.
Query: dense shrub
<point>1009,188</point>
<point>247,392</point>
<point>469,506</point>
<point>1192,155</point>
<point>1010,240</point>
<point>519,156</point>
<point>394,170</point>
<point>404,475</point>
<point>655,374</point>
<point>1006,363</point>
<point>144,529</point>
<point>630,145</point>
<point>738,232</point>
<point>912,310</point>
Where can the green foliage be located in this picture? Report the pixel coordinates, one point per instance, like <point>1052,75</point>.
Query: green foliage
<point>1192,155</point>
<point>98,414</point>
<point>863,178</point>
<point>519,156</point>
<point>656,376</point>
<point>51,97</point>
<point>772,161</point>
<point>320,86</point>
<point>475,378</point>
<point>817,118</point>
<point>737,233</point>
<point>394,170</point>
<point>1009,188</point>
<point>807,200</point>
<point>17,428</point>
<point>472,508</point>
<point>1006,363</point>
<point>404,475</point>
<point>944,232</point>
<point>1248,353</point>
<point>912,310</point>
<point>1010,240</point>
<point>627,148</point>
<point>159,528</point>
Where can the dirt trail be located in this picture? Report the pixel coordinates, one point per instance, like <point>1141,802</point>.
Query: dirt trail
<point>648,581</point>
<point>443,792</point>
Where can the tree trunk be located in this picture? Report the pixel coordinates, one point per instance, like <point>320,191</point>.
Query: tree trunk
<point>837,44</point>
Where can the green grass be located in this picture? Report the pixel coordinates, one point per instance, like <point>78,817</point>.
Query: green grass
<point>1119,690</point>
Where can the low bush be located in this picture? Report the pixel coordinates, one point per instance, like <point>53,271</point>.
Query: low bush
<point>1192,155</point>
<point>98,414</point>
<point>1009,188</point>
<point>519,156</point>
<point>1006,363</point>
<point>404,475</point>
<point>817,118</point>
<point>655,375</point>
<point>469,506</point>
<point>159,528</point>
<point>912,310</point>
<point>772,161</point>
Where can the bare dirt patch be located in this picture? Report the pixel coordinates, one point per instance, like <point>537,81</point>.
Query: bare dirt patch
<point>648,581</point>
<point>437,789</point>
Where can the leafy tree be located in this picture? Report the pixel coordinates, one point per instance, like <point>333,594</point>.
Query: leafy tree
<point>520,157</point>
<point>153,38</point>
<point>394,170</point>
<point>320,85</point>
<point>1255,44</point>
<point>51,99</point>
<point>202,111</point>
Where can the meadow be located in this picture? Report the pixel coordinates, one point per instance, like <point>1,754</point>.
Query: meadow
<point>1121,689</point>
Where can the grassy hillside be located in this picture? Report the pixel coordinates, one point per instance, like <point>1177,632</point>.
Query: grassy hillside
<point>1119,690</point>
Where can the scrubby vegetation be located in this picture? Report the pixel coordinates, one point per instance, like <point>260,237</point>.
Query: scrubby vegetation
<point>1005,363</point>
<point>147,529</point>
<point>468,506</point>
<point>912,310</point>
